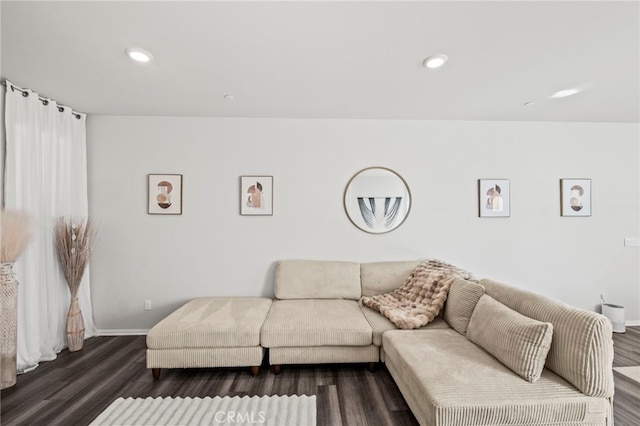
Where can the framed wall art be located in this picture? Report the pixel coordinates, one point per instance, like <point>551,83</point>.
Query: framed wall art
<point>256,195</point>
<point>377,200</point>
<point>575,197</point>
<point>494,198</point>
<point>165,194</point>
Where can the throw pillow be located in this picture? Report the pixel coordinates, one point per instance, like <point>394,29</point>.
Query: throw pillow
<point>519,342</point>
<point>462,300</point>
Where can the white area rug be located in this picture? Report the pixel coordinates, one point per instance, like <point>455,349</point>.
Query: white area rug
<point>232,411</point>
<point>632,372</point>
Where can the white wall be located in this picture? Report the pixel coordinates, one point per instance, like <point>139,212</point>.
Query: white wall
<point>211,250</point>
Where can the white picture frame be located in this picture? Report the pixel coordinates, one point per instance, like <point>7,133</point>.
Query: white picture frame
<point>164,194</point>
<point>575,197</point>
<point>256,195</point>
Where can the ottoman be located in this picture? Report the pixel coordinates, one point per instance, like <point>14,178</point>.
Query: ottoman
<point>209,332</point>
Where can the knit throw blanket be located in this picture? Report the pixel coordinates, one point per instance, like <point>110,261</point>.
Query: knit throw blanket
<point>419,300</point>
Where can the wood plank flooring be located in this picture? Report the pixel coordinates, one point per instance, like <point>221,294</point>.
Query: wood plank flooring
<point>626,401</point>
<point>76,387</point>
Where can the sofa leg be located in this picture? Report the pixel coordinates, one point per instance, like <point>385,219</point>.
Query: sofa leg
<point>372,366</point>
<point>276,369</point>
<point>156,373</point>
<point>255,369</point>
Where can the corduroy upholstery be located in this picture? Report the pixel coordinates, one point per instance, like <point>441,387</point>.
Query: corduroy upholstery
<point>205,357</point>
<point>209,332</point>
<point>521,343</point>
<point>313,279</point>
<point>449,381</point>
<point>384,277</point>
<point>446,379</point>
<point>315,322</point>
<point>462,300</point>
<point>216,322</point>
<point>323,354</point>
<point>316,318</point>
<point>582,346</point>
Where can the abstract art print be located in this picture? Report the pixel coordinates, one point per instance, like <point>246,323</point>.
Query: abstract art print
<point>575,195</point>
<point>377,200</point>
<point>494,198</point>
<point>256,195</point>
<point>165,194</point>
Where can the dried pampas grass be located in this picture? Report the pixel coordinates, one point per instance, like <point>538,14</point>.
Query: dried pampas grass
<point>75,239</point>
<point>15,234</point>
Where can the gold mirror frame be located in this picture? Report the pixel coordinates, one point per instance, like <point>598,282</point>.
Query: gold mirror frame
<point>381,207</point>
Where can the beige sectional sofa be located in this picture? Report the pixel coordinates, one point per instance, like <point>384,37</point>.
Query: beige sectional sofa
<point>497,355</point>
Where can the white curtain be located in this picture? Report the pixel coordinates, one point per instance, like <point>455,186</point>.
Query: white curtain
<point>46,176</point>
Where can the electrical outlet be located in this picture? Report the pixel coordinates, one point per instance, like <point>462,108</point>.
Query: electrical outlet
<point>147,305</point>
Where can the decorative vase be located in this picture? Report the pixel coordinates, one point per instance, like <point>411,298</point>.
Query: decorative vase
<point>74,241</point>
<point>75,326</point>
<point>8,325</point>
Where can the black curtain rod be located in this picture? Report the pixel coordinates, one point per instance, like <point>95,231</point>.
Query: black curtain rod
<point>44,101</point>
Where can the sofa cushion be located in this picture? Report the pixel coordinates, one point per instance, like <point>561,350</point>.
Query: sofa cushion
<point>315,322</point>
<point>519,342</point>
<point>384,277</point>
<point>462,300</point>
<point>380,324</point>
<point>582,346</point>
<point>449,381</point>
<point>317,279</point>
<point>213,322</point>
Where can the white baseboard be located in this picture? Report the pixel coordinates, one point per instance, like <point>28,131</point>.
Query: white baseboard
<point>126,332</point>
<point>632,323</point>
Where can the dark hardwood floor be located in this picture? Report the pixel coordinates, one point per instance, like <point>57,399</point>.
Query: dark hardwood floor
<point>76,387</point>
<point>626,402</point>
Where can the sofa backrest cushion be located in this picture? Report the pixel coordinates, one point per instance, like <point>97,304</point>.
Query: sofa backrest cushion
<point>519,342</point>
<point>317,279</point>
<point>582,345</point>
<point>462,300</point>
<point>384,277</point>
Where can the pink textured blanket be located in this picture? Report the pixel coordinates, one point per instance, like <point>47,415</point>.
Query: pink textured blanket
<point>419,300</point>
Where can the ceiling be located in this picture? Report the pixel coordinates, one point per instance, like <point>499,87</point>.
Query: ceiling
<point>355,60</point>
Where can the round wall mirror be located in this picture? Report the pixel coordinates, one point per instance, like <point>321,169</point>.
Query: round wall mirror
<point>377,200</point>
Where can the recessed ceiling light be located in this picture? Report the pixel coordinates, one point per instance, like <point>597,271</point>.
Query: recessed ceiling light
<point>229,97</point>
<point>565,92</point>
<point>138,54</point>
<point>435,61</point>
